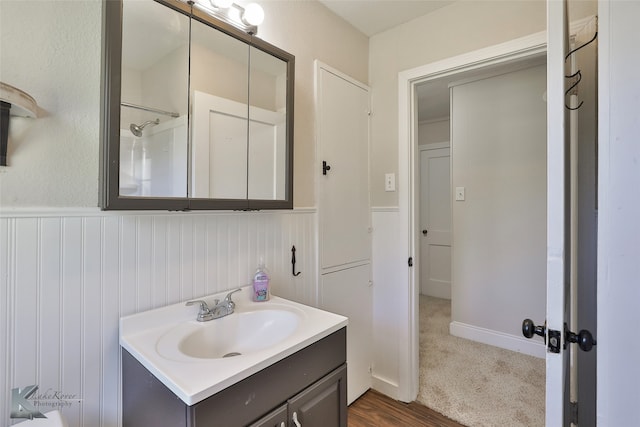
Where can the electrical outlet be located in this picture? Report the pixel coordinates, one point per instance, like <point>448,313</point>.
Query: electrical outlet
<point>460,194</point>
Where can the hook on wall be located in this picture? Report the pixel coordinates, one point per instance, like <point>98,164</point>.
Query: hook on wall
<point>578,74</point>
<point>293,262</point>
<point>578,77</point>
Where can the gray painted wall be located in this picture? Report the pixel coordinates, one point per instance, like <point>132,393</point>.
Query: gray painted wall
<point>498,146</point>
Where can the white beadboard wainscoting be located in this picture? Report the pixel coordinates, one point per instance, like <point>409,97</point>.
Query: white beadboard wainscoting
<point>389,308</point>
<point>66,277</point>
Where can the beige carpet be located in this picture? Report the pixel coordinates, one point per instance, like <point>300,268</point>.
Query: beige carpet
<point>476,384</point>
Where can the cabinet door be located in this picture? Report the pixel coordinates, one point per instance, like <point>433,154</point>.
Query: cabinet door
<point>324,404</point>
<point>343,143</point>
<point>348,292</point>
<point>276,418</point>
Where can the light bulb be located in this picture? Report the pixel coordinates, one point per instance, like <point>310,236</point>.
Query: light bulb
<point>253,14</point>
<point>222,4</point>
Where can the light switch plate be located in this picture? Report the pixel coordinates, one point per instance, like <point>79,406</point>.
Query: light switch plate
<point>460,193</point>
<point>390,182</point>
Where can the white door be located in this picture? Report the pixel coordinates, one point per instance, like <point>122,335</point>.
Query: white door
<point>343,147</point>
<point>435,221</point>
<point>557,223</point>
<point>348,292</point>
<point>224,164</point>
<point>344,216</point>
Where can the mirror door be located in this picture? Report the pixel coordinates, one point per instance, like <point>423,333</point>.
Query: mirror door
<point>154,101</point>
<point>219,107</point>
<point>267,149</point>
<point>196,113</point>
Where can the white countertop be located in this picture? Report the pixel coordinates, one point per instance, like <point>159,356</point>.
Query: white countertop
<point>195,379</point>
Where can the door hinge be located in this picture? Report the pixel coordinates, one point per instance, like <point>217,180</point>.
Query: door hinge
<point>573,413</point>
<point>410,261</point>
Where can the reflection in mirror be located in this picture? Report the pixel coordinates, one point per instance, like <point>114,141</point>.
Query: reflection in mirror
<point>219,89</point>
<point>267,157</point>
<point>154,101</point>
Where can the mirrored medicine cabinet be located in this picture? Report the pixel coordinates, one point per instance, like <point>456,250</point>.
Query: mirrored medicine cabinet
<point>196,113</point>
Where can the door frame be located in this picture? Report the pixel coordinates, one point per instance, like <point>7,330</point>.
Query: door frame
<point>504,53</point>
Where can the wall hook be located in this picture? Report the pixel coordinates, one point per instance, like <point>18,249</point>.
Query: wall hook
<point>293,262</point>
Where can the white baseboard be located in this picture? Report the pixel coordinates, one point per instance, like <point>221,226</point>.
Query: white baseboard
<point>385,386</point>
<point>498,339</point>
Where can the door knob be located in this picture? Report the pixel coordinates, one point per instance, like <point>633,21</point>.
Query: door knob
<point>529,329</point>
<point>325,167</point>
<point>424,232</point>
<point>584,339</point>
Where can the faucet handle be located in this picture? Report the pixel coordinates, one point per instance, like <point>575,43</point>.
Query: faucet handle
<point>228,299</point>
<point>204,313</point>
<point>203,304</point>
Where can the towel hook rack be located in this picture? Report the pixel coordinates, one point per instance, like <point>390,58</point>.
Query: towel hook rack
<point>293,262</point>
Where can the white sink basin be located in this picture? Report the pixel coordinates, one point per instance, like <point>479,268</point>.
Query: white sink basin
<point>237,334</point>
<point>188,356</point>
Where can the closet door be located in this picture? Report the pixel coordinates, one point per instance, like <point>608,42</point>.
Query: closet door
<point>344,216</point>
<point>343,166</point>
<point>348,292</point>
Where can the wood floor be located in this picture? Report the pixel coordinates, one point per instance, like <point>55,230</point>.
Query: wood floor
<point>373,409</point>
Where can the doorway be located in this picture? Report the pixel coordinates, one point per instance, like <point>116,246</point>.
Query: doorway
<point>498,143</point>
<point>481,61</point>
<point>501,54</point>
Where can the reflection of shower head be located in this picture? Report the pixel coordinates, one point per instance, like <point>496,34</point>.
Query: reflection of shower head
<point>136,130</point>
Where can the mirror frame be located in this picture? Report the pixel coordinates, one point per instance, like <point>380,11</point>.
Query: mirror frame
<point>110,198</point>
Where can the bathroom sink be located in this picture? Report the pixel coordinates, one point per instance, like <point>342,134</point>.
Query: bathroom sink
<point>198,359</point>
<point>238,334</point>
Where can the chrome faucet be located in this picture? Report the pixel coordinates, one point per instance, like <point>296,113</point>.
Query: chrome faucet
<point>219,309</point>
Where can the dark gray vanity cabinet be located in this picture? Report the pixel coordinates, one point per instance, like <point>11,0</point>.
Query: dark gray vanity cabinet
<point>277,418</point>
<point>320,405</point>
<point>309,387</point>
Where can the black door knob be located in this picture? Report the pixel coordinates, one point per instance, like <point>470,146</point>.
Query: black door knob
<point>529,329</point>
<point>425,232</point>
<point>584,339</point>
<point>325,167</point>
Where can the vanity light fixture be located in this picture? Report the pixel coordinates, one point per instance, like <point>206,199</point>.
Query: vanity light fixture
<point>245,18</point>
<point>253,14</point>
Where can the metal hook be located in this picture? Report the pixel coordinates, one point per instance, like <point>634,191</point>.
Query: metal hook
<point>595,36</point>
<point>293,262</point>
<point>577,74</point>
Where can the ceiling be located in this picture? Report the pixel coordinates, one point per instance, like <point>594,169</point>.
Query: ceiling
<point>375,16</point>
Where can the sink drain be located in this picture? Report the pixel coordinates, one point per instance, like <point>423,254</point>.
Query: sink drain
<point>233,353</point>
